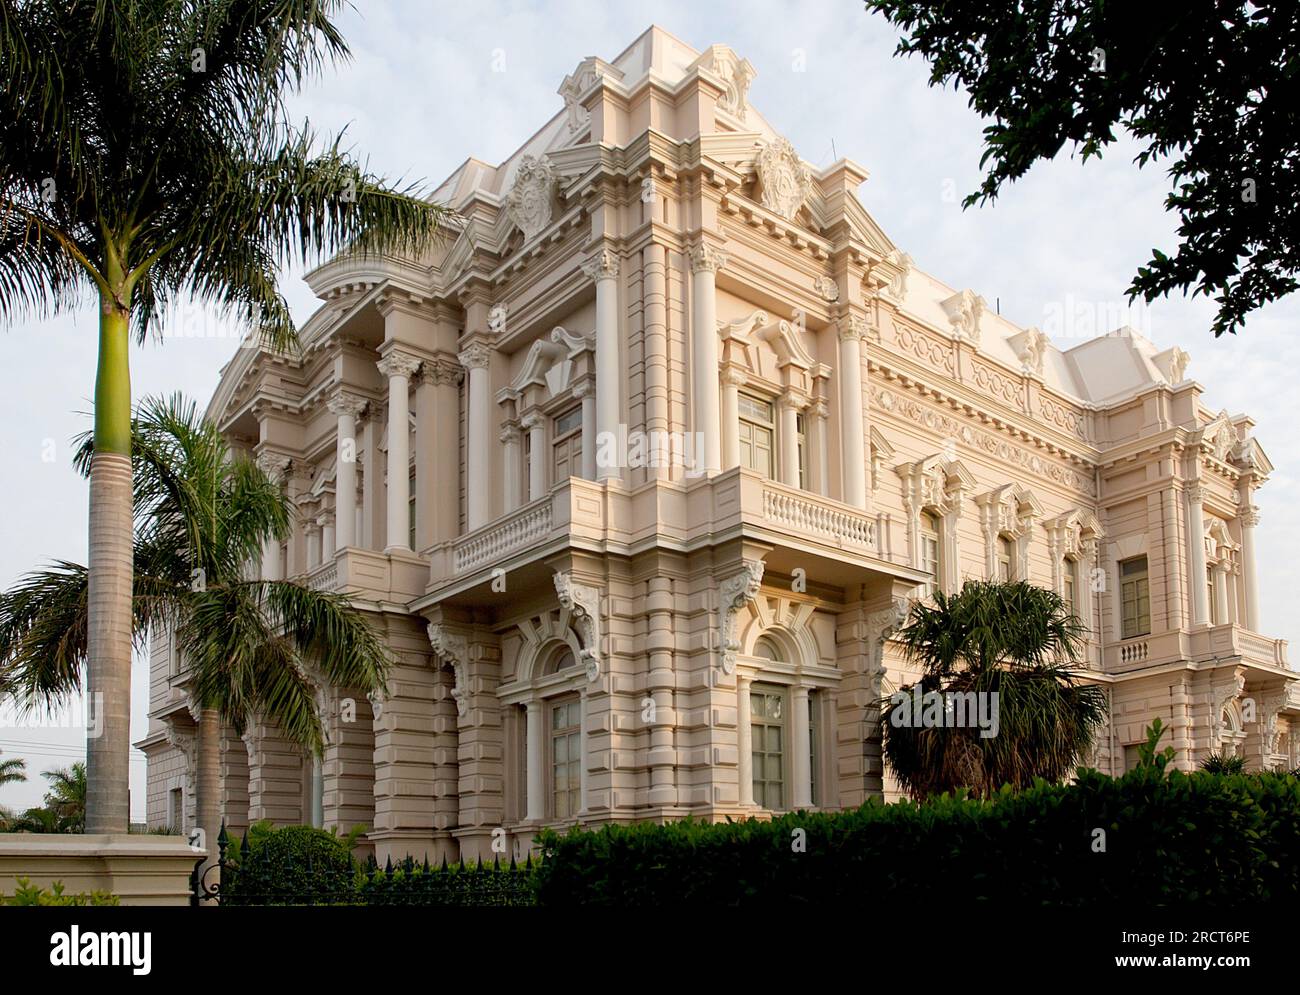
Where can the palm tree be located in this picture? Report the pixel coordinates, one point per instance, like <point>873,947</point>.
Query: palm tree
<point>146,154</point>
<point>13,770</point>
<point>1010,639</point>
<point>67,796</point>
<point>202,515</point>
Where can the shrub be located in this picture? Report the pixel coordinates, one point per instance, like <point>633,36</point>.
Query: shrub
<point>464,886</point>
<point>292,865</point>
<point>31,894</point>
<point>1217,764</point>
<point>1166,839</point>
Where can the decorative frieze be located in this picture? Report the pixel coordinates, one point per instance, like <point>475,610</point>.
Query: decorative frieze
<point>943,425</point>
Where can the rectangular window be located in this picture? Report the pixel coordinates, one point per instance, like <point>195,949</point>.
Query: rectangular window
<point>767,721</point>
<point>757,430</point>
<point>176,810</point>
<point>801,440</point>
<point>566,758</point>
<point>1067,585</point>
<point>813,702</point>
<point>1211,591</point>
<point>1135,598</point>
<point>930,552</point>
<point>566,449</point>
<point>1005,572</point>
<point>410,510</point>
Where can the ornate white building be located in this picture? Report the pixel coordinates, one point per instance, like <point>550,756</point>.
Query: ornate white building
<point>638,471</point>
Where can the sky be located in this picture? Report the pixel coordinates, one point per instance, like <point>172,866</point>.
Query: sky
<point>431,83</point>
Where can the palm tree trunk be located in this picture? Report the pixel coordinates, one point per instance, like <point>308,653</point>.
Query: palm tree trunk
<point>108,742</point>
<point>207,779</point>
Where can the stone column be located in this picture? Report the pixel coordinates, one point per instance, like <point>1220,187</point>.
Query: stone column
<point>536,426</point>
<point>655,301</point>
<point>478,446</point>
<point>584,392</point>
<point>732,381</point>
<point>790,404</point>
<point>534,748</point>
<point>582,751</point>
<point>1196,554</point>
<point>327,536</point>
<point>510,454</point>
<point>819,458</point>
<point>744,741</point>
<point>853,451</point>
<point>346,407</point>
<point>275,467</point>
<point>398,367</point>
<point>1249,521</point>
<point>603,268</point>
<point>706,260</point>
<point>800,751</point>
<point>313,544</point>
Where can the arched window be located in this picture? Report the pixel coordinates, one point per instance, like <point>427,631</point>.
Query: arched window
<point>561,659</point>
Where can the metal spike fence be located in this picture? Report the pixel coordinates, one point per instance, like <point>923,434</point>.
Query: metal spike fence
<point>245,875</point>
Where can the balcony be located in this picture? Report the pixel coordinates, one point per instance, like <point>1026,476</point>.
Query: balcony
<point>1202,644</point>
<point>371,575</point>
<point>836,539</point>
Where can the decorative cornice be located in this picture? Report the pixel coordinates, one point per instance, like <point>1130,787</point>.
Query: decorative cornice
<point>398,364</point>
<point>453,650</point>
<point>734,592</point>
<point>583,605</point>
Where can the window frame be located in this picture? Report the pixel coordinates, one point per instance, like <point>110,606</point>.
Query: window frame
<point>1141,586</point>
<point>753,423</point>
<point>572,735</point>
<point>759,720</point>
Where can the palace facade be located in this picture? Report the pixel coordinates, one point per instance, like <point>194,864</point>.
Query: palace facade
<point>640,469</point>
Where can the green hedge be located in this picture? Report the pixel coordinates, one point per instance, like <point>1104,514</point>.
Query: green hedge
<point>1169,839</point>
<point>299,865</point>
<point>473,885</point>
<point>295,865</point>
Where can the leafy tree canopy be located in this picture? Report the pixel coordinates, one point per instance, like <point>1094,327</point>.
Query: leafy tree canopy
<point>1210,88</point>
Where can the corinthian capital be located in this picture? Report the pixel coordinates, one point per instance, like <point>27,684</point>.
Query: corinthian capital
<point>475,356</point>
<point>343,403</point>
<point>602,266</point>
<point>854,326</point>
<point>706,258</point>
<point>398,364</point>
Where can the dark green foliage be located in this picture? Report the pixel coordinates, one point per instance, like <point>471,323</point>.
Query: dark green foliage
<point>1013,640</point>
<point>1216,764</point>
<point>298,865</point>
<point>1170,839</point>
<point>293,865</point>
<point>477,885</point>
<point>1208,88</point>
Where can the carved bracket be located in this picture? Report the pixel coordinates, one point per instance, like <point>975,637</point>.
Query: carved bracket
<point>453,650</point>
<point>734,593</point>
<point>583,604</point>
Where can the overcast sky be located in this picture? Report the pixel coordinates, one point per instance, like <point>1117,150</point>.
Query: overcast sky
<point>433,83</point>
